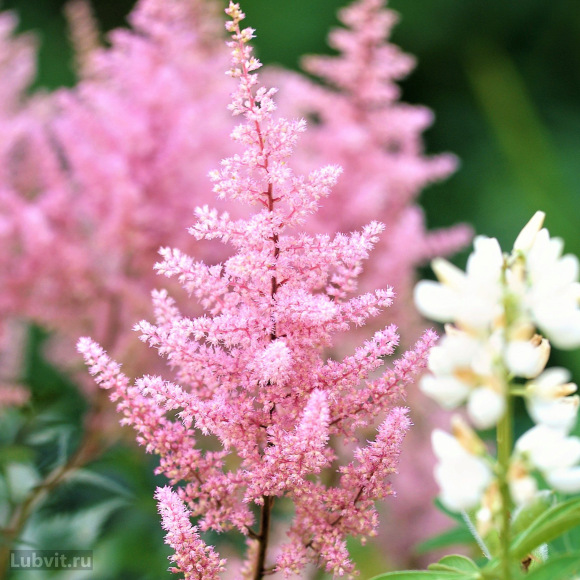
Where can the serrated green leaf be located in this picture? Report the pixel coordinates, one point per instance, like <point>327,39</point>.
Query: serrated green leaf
<point>452,537</point>
<point>455,562</point>
<point>547,527</point>
<point>563,567</point>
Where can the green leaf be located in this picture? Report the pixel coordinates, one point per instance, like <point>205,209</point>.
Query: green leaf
<point>547,527</point>
<point>422,575</point>
<point>452,537</point>
<point>455,563</point>
<point>563,567</point>
<point>453,515</point>
<point>452,567</point>
<point>98,480</point>
<point>530,512</point>
<point>16,454</point>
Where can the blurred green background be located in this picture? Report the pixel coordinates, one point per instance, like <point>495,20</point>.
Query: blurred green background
<point>503,79</point>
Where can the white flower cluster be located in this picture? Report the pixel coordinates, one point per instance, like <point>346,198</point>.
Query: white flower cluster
<point>501,315</point>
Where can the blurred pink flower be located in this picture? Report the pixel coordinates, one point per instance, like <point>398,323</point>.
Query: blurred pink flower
<point>359,122</point>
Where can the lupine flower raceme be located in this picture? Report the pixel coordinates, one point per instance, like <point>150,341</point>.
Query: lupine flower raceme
<point>252,371</point>
<point>502,314</point>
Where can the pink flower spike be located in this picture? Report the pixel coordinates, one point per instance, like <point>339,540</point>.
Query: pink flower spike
<point>193,558</point>
<point>252,370</point>
<point>379,459</point>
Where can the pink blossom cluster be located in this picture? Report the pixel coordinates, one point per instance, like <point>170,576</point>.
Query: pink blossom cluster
<point>253,373</point>
<point>361,124</point>
<point>93,179</point>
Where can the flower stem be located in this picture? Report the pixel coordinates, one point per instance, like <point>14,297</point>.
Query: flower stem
<point>504,450</point>
<point>263,538</point>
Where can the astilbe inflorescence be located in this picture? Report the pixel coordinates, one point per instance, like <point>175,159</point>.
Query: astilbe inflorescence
<point>93,179</point>
<point>361,124</point>
<point>96,177</point>
<point>252,372</point>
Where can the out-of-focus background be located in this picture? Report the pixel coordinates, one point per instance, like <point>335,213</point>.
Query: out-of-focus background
<point>503,79</point>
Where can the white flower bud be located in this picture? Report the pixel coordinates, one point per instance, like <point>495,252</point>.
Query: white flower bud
<point>526,237</point>
<point>548,402</point>
<point>549,449</point>
<point>527,358</point>
<point>551,384</point>
<point>461,476</point>
<point>565,480</point>
<point>485,407</point>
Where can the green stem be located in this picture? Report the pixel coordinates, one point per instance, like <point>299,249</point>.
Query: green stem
<point>504,450</point>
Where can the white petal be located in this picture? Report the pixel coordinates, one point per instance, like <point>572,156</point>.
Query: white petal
<point>485,263</point>
<point>462,482</point>
<point>484,361</point>
<point>485,407</point>
<point>455,351</point>
<point>559,321</point>
<point>532,437</point>
<point>446,391</point>
<point>567,270</point>
<point>565,480</point>
<point>559,413</point>
<point>548,448</point>
<point>478,309</point>
<point>551,378</point>
<point>524,359</point>
<point>544,252</point>
<point>448,274</point>
<point>446,447</point>
<point>435,301</point>
<point>528,234</point>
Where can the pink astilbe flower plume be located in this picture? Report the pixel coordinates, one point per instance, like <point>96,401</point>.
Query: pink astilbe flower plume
<point>193,558</point>
<point>96,177</point>
<point>252,370</point>
<point>362,125</point>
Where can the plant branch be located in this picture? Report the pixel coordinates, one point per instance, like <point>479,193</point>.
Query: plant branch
<point>504,450</point>
<point>263,537</point>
